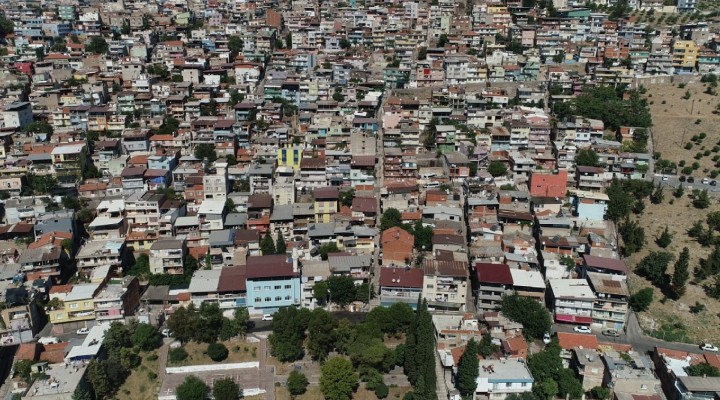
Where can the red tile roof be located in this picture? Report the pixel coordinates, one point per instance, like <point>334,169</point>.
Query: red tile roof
<point>605,263</point>
<point>364,205</point>
<point>232,279</point>
<point>493,273</point>
<point>27,351</point>
<point>570,340</point>
<point>269,267</point>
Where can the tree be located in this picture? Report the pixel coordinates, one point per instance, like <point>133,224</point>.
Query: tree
<point>703,369</point>
<point>97,45</point>
<point>641,300</point>
<point>321,337</point>
<point>288,333</point>
<point>701,199</point>
<point>192,388</point>
<point>390,218</point>
<point>235,45</point>
<point>633,236</point>
<point>344,44</point>
<point>141,268</point>
<point>326,249</point>
<point>146,337</point>
<point>206,151</point>
<point>267,246</point>
<point>280,246</point>
<point>226,389</point>
<point>658,195</point>
<point>99,380</point>
<point>342,289</point>
<point>208,318</point>
<point>654,267</point>
<point>569,385</point>
<point>599,393</point>
<point>321,291</point>
<point>680,274</point>
<point>288,41</point>
<point>534,317</point>
<point>346,197</point>
<point>183,325</point>
<point>442,40</point>
<point>338,381</point>
<point>708,266</point>
<point>39,127</point>
<point>6,26</point>
<point>665,239</point>
<point>468,370</point>
<point>587,157</point>
<point>423,236</point>
<point>496,168</point>
<point>422,53</point>
<point>297,383</point>
<point>217,352</point>
<point>419,353</point>
<point>82,392</point>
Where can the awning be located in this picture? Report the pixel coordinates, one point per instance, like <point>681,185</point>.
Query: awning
<point>573,319</point>
<point>564,318</point>
<point>583,320</point>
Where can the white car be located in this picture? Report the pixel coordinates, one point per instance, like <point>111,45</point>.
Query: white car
<point>708,347</point>
<point>705,181</point>
<point>166,332</point>
<point>582,329</point>
<point>82,331</point>
<point>267,317</point>
<point>664,177</point>
<point>546,338</point>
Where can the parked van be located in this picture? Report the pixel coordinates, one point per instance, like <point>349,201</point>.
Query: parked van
<point>432,185</point>
<point>48,340</point>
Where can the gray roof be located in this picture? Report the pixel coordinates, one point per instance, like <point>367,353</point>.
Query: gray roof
<point>321,230</point>
<point>167,244</point>
<point>345,263</point>
<point>54,225</point>
<point>282,212</point>
<point>236,219</point>
<point>364,231</point>
<point>225,237</point>
<point>303,209</point>
<point>205,281</point>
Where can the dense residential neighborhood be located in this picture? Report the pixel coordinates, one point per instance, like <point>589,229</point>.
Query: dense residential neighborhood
<point>414,200</point>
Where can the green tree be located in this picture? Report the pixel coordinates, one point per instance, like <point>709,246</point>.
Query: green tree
<point>599,393</point>
<point>226,389</point>
<point>82,392</point>
<point>209,317</point>
<point>664,239</point>
<point>183,325</point>
<point>321,291</point>
<point>342,289</point>
<point>346,197</point>
<point>658,195</point>
<point>708,266</point>
<point>496,169</point>
<point>6,26</point>
<point>422,53</point>
<point>146,337</point>
<point>39,127</point>
<point>321,336</point>
<point>141,268</point>
<point>297,383</point>
<point>654,267</point>
<point>235,45</point>
<point>338,381</point>
<point>280,246</point>
<point>390,218</point>
<point>442,40</point>
<point>98,378</point>
<point>701,199</point>
<point>288,333</point>
<point>641,300</point>
<point>419,353</point>
<point>703,369</point>
<point>267,246</point>
<point>569,385</point>
<point>532,314</point>
<point>328,248</point>
<point>680,274</point>
<point>633,236</point>
<point>587,157</point>
<point>217,352</point>
<point>23,369</point>
<point>423,236</point>
<point>206,151</point>
<point>192,388</point>
<point>468,370</point>
<point>97,45</point>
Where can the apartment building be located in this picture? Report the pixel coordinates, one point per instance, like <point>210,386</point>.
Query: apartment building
<point>119,298</point>
<point>167,256</point>
<point>610,309</point>
<point>446,284</point>
<point>75,303</point>
<point>572,301</point>
<point>494,281</point>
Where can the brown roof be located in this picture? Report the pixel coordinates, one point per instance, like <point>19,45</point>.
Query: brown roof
<point>445,268</point>
<point>246,235</point>
<point>260,200</point>
<point>493,273</point>
<point>27,351</point>
<point>326,193</point>
<point>363,161</point>
<point>448,239</point>
<point>364,204</point>
<point>605,263</point>
<point>269,267</point>
<point>312,163</point>
<point>232,279</point>
<point>401,277</point>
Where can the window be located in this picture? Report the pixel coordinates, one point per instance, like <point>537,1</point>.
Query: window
<point>277,298</point>
<point>86,304</point>
<point>58,316</point>
<point>277,287</point>
<point>643,387</point>
<point>524,384</point>
<point>508,384</point>
<point>430,286</point>
<point>73,305</point>
<point>258,300</point>
<point>287,297</point>
<point>266,287</point>
<point>268,299</point>
<point>288,286</point>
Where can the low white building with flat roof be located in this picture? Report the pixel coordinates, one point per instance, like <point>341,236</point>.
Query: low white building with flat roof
<point>498,379</point>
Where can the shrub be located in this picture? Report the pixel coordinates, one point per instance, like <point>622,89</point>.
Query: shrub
<point>697,308</point>
<point>177,355</point>
<point>687,170</point>
<point>681,163</point>
<point>381,391</point>
<point>217,351</point>
<point>695,165</point>
<point>152,376</point>
<point>688,146</point>
<point>698,155</point>
<point>706,153</point>
<point>152,357</point>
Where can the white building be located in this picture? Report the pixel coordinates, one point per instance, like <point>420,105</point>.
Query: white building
<point>499,378</point>
<point>17,115</point>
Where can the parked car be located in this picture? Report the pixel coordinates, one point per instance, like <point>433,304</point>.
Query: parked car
<point>665,177</point>
<point>713,182</point>
<point>267,317</point>
<point>582,329</point>
<point>682,178</point>
<point>611,332</point>
<point>48,340</point>
<point>546,338</point>
<point>705,181</point>
<point>166,332</point>
<point>82,331</point>
<point>708,347</point>
<point>690,179</point>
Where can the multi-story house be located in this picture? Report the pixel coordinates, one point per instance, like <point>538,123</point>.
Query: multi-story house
<point>167,256</point>
<point>610,309</point>
<point>358,267</point>
<point>325,203</point>
<point>98,253</point>
<point>272,282</point>
<point>684,55</point>
<point>45,261</point>
<point>211,214</point>
<point>17,115</point>
<point>446,284</point>
<point>117,299</point>
<point>75,303</point>
<point>494,281</point>
<point>572,300</point>
<point>400,285</point>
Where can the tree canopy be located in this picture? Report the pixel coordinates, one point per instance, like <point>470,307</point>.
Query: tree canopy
<point>297,383</point>
<point>226,389</point>
<point>533,315</point>
<point>338,380</point>
<point>192,388</point>
<point>607,104</point>
<point>468,369</point>
<point>206,150</point>
<point>288,333</point>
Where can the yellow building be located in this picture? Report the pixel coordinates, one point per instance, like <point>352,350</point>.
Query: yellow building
<point>326,203</point>
<point>685,54</point>
<point>290,157</point>
<point>72,304</point>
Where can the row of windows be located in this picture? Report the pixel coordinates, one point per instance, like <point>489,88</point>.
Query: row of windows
<point>277,298</point>
<point>277,287</point>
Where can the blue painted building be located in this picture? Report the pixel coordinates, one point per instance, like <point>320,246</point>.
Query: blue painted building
<point>590,205</point>
<point>272,282</point>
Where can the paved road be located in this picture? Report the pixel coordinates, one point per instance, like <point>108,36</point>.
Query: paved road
<point>673,181</point>
<point>635,337</point>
